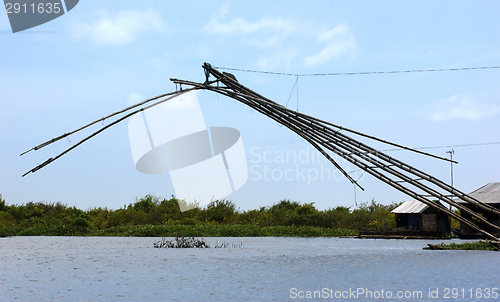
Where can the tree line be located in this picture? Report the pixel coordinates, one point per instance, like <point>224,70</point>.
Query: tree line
<point>59,219</point>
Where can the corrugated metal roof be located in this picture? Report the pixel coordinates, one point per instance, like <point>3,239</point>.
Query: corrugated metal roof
<point>411,206</point>
<point>489,193</point>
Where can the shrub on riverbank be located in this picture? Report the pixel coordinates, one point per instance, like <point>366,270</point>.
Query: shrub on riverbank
<point>153,216</point>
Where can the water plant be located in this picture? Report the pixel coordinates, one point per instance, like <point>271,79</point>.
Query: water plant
<point>181,242</point>
<point>191,242</point>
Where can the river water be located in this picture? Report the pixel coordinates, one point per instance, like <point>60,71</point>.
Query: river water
<point>263,269</point>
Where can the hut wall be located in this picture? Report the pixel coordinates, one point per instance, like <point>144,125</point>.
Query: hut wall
<point>429,223</point>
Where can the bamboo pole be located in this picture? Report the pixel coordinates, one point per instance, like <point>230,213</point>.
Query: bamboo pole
<point>362,147</point>
<point>394,184</point>
<point>320,135</point>
<point>53,140</point>
<point>413,182</point>
<point>382,177</point>
<point>229,94</point>
<point>52,159</point>
<point>278,119</point>
<point>259,105</point>
<point>316,132</point>
<point>232,82</point>
<point>431,179</point>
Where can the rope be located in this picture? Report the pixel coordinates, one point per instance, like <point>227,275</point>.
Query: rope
<point>290,96</point>
<point>355,201</point>
<point>358,73</point>
<point>297,93</point>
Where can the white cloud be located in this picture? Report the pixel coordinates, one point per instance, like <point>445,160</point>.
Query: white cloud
<point>267,32</point>
<point>121,28</point>
<point>283,43</point>
<point>335,32</point>
<point>463,107</point>
<point>340,42</point>
<point>240,26</point>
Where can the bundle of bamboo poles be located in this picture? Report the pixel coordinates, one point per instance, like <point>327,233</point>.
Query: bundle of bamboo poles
<point>323,136</point>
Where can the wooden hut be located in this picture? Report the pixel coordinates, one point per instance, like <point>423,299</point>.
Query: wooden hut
<point>489,194</point>
<point>414,215</point>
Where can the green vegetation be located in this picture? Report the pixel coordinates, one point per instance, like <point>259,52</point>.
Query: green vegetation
<point>152,216</point>
<point>481,245</point>
<point>455,224</point>
<point>181,242</point>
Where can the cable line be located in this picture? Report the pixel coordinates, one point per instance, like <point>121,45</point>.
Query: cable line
<point>357,73</point>
<point>450,146</point>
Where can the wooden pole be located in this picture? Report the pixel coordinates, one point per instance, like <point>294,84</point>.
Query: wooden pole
<point>305,128</point>
<point>52,159</point>
<point>44,144</point>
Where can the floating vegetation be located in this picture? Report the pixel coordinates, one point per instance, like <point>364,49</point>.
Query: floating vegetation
<point>481,245</point>
<point>181,242</point>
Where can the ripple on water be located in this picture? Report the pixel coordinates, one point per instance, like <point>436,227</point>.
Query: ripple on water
<point>108,268</point>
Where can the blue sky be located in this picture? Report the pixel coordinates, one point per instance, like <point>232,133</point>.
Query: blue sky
<point>105,55</point>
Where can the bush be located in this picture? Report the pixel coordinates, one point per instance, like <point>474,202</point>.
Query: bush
<point>81,222</point>
<point>146,204</point>
<point>220,211</point>
<point>3,207</point>
<point>153,215</point>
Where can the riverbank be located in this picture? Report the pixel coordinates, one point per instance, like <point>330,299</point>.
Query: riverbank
<point>182,230</point>
<point>155,217</point>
